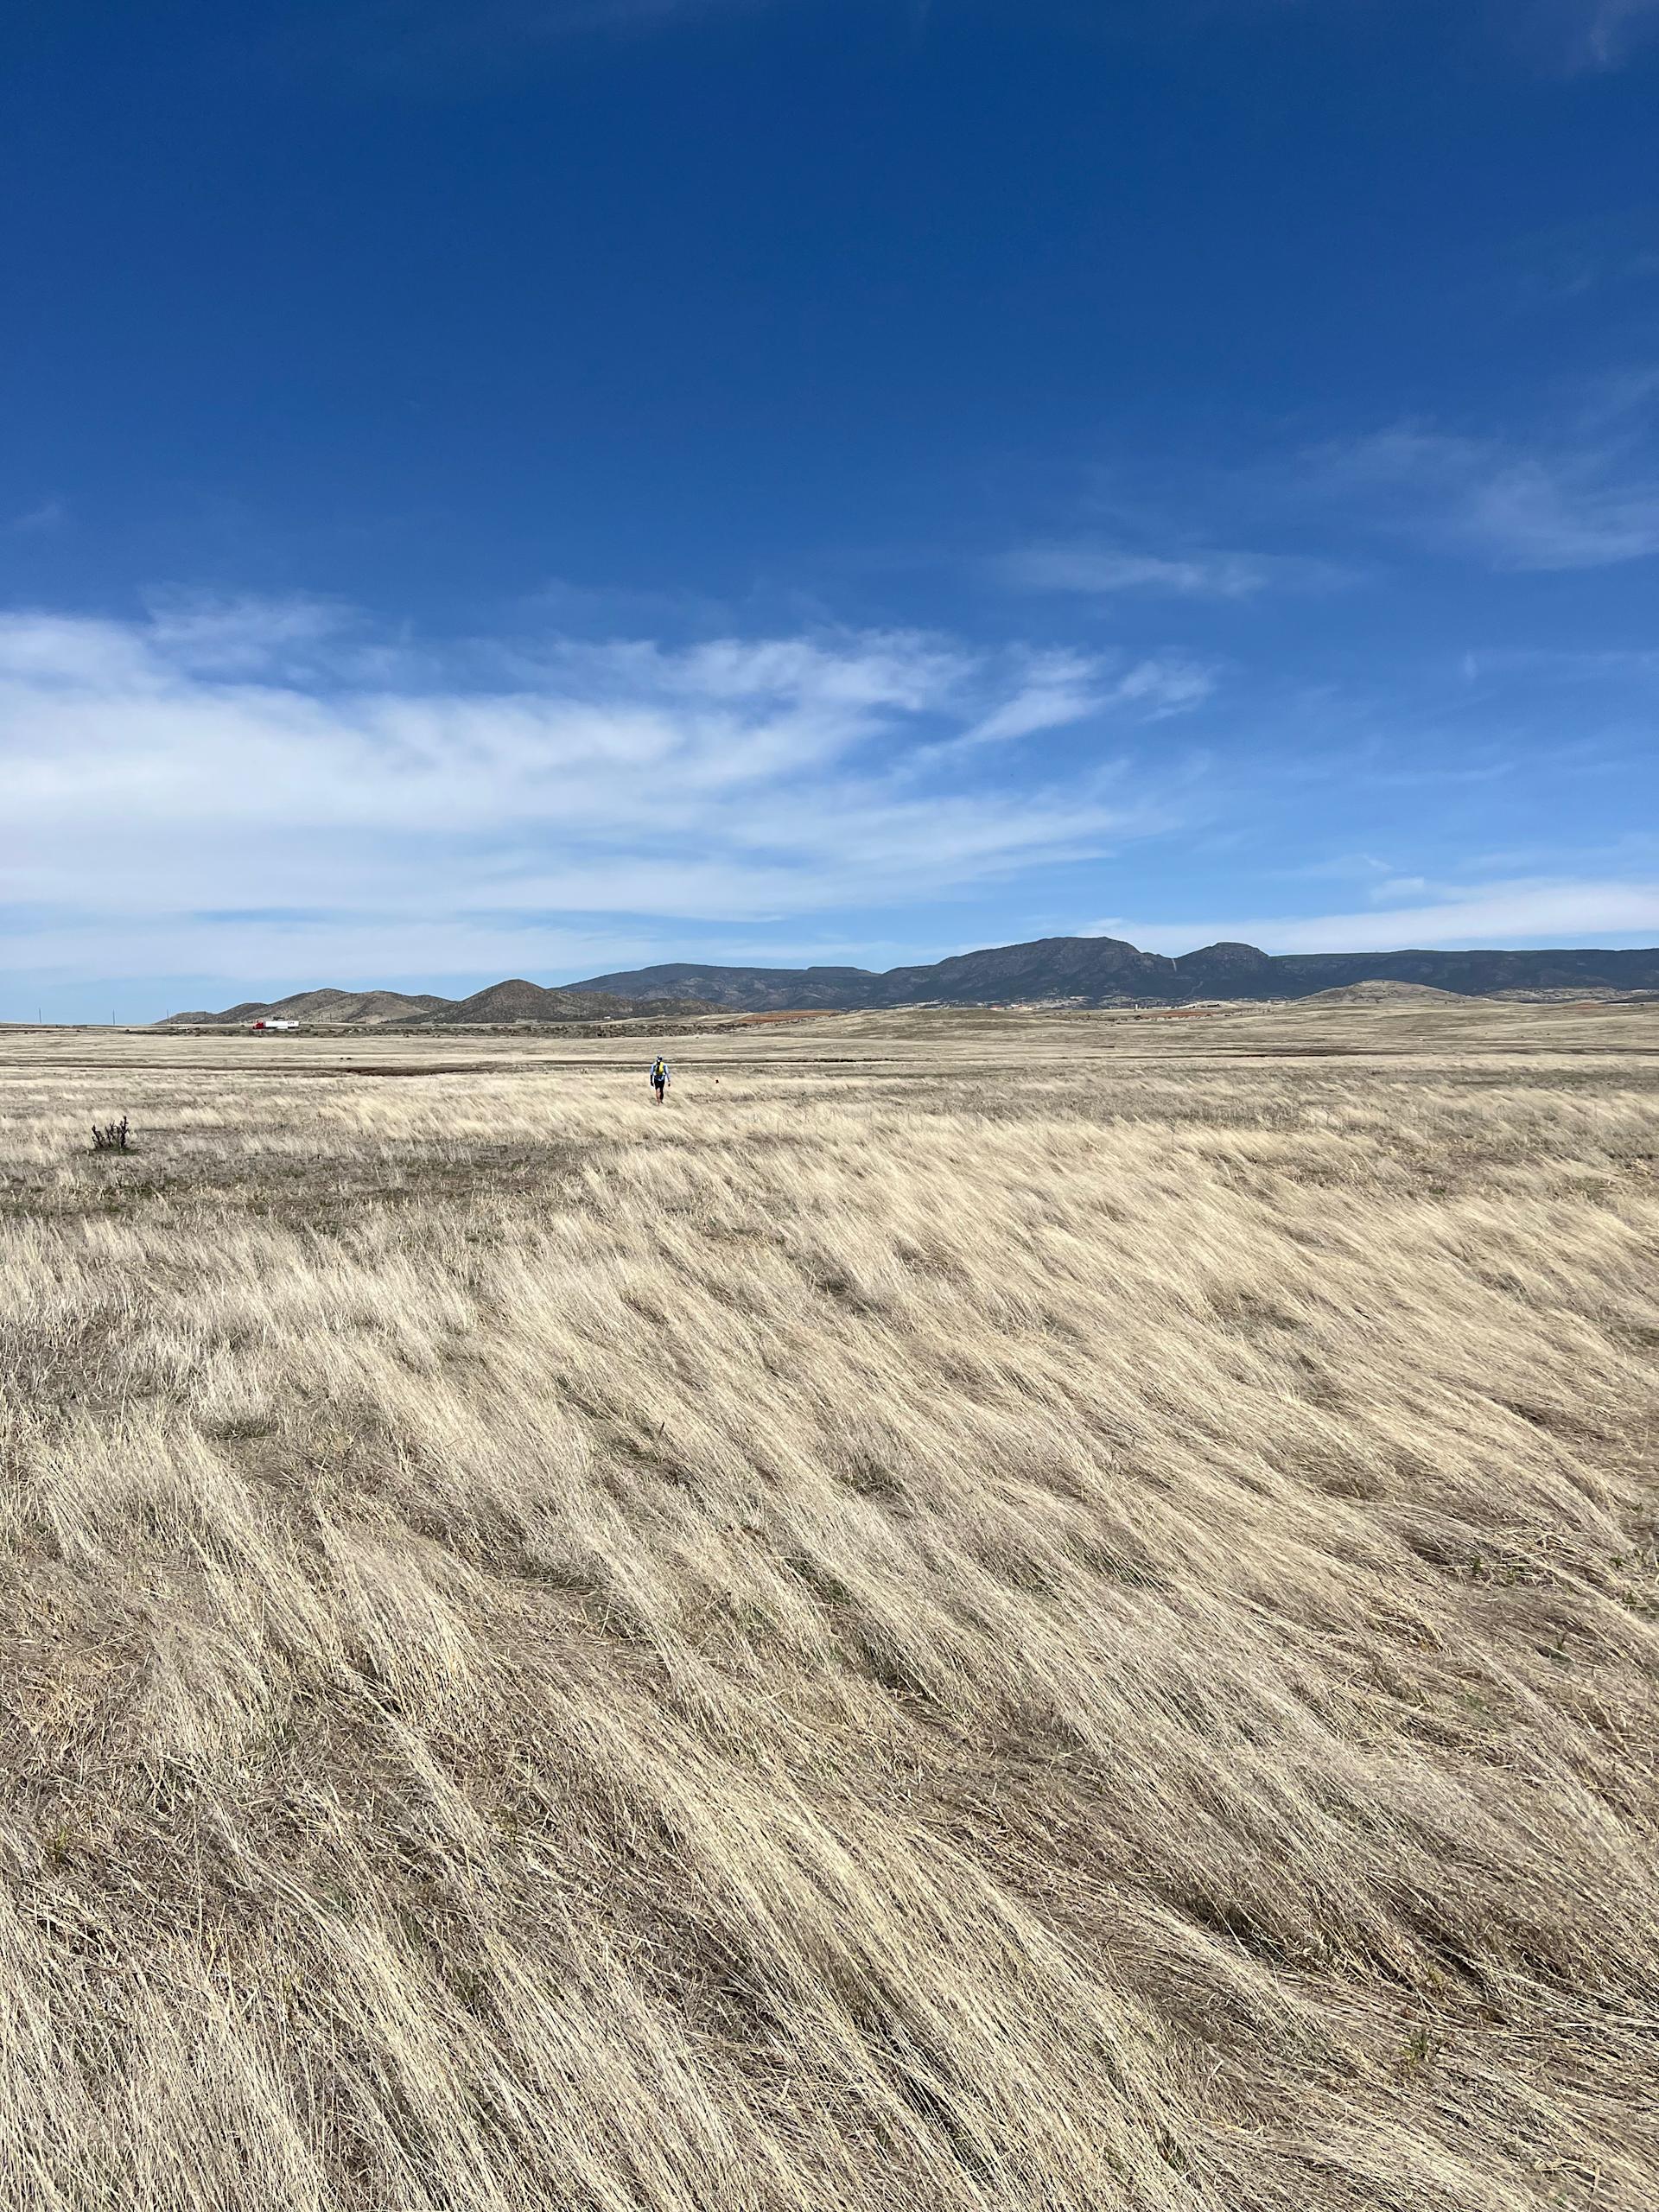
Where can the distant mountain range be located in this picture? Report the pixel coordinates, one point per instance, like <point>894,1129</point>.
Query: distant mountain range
<point>512,1002</point>
<point>1103,970</point>
<point>1088,970</point>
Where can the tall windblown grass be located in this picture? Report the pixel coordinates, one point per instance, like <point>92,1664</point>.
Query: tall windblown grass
<point>1054,1644</point>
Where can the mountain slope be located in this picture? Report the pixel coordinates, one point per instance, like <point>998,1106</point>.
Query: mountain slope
<point>518,1001</point>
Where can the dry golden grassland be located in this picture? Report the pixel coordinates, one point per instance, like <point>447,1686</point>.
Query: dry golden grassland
<point>1048,1612</point>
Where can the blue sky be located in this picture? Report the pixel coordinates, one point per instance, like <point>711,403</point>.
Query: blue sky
<point>536,486</point>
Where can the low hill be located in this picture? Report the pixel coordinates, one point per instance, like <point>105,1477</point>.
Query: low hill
<point>1381,993</point>
<point>324,1007</point>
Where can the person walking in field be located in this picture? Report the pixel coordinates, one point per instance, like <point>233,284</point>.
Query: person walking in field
<point>660,1077</point>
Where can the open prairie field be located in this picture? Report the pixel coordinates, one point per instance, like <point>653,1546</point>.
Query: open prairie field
<point>1049,1613</point>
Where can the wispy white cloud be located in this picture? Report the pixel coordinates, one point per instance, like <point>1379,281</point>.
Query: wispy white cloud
<point>1596,34</point>
<point>1063,689</point>
<point>1169,685</point>
<point>1559,35</point>
<point>227,776</point>
<point>201,633</point>
<point>1097,570</point>
<point>1590,502</point>
<point>34,522</point>
<point>1360,868</point>
<point>1562,37</point>
<point>1584,259</point>
<point>1091,568</point>
<point>1059,689</point>
<point>1538,910</point>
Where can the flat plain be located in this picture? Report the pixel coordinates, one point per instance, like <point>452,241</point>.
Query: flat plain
<point>1052,1612</point>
